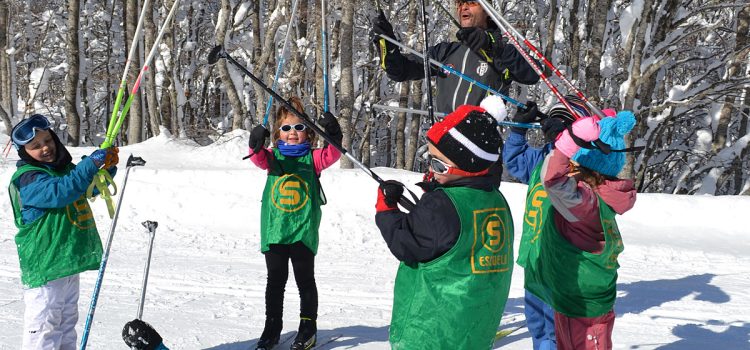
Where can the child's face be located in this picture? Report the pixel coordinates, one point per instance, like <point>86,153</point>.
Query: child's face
<point>42,147</point>
<point>293,136</point>
<point>442,178</point>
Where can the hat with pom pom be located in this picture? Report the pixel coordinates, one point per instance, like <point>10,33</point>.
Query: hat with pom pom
<point>612,132</point>
<point>468,137</point>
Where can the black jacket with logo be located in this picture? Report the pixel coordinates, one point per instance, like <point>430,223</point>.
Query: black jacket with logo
<point>507,65</point>
<point>432,227</point>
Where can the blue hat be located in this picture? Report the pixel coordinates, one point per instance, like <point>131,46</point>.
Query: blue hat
<point>613,130</point>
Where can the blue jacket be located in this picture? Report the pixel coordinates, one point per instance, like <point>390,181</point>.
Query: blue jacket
<point>39,191</point>
<point>519,158</point>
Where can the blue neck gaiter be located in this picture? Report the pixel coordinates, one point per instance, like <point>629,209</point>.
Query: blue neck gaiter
<point>297,150</point>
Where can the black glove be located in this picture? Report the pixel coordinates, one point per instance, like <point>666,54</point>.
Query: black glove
<point>551,127</point>
<point>258,138</point>
<point>381,26</point>
<point>140,335</point>
<point>530,114</point>
<point>331,126</point>
<point>478,39</point>
<point>392,191</point>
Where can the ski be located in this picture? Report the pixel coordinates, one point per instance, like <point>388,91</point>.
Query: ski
<point>327,341</point>
<point>500,334</point>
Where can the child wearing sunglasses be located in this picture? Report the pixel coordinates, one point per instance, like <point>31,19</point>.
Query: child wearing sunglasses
<point>57,237</point>
<point>290,216</point>
<point>455,246</point>
<point>570,246</point>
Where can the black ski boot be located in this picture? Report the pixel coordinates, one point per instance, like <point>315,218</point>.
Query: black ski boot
<point>305,338</point>
<point>271,334</point>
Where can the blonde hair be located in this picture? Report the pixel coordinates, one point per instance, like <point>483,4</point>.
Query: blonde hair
<point>591,177</point>
<point>282,112</point>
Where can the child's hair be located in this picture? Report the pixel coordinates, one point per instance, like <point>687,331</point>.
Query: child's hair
<point>591,177</point>
<point>281,114</point>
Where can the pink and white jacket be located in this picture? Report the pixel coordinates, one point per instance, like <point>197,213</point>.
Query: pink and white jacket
<point>322,158</point>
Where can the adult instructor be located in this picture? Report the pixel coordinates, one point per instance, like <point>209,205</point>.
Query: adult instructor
<point>480,53</point>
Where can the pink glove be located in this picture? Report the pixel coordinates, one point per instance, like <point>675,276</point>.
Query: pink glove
<point>586,129</point>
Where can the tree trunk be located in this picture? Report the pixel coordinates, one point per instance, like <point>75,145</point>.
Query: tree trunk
<point>150,88</point>
<point>223,25</point>
<point>575,38</point>
<point>135,117</point>
<point>639,31</point>
<point>596,24</point>
<point>71,79</point>
<point>6,102</point>
<point>347,76</point>
<point>267,54</point>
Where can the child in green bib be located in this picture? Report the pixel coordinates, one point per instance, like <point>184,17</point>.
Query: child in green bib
<point>290,216</point>
<point>455,245</point>
<point>57,237</point>
<point>571,246</point>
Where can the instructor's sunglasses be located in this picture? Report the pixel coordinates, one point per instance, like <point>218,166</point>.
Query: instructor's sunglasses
<point>471,3</point>
<point>25,131</point>
<point>288,127</point>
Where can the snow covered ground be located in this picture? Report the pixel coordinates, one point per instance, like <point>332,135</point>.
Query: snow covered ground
<point>684,281</point>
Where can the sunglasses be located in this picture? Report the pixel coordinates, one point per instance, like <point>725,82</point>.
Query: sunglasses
<point>438,166</point>
<point>471,3</point>
<point>288,127</point>
<point>442,168</point>
<point>25,131</point>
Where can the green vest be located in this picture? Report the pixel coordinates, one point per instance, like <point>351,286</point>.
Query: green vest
<point>291,203</point>
<point>574,282</point>
<point>456,301</point>
<point>62,242</point>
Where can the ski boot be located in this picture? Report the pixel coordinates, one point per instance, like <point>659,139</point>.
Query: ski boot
<point>305,338</point>
<point>271,334</point>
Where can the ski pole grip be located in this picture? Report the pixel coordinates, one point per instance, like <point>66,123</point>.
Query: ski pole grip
<point>150,225</point>
<point>135,161</point>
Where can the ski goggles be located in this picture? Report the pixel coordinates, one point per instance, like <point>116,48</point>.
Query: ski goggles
<point>442,168</point>
<point>25,131</point>
<point>288,127</point>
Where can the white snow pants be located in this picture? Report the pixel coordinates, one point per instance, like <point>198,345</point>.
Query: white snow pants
<point>51,315</point>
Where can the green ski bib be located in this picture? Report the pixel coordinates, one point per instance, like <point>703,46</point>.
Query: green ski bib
<point>456,301</point>
<point>62,242</point>
<point>290,211</point>
<point>574,282</point>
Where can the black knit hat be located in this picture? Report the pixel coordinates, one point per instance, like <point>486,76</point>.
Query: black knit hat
<point>468,137</point>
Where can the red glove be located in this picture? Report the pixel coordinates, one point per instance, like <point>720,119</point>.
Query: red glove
<point>389,193</point>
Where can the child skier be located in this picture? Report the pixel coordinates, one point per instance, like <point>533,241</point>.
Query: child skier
<point>455,246</point>
<point>521,159</point>
<point>57,237</point>
<point>575,196</point>
<point>290,216</point>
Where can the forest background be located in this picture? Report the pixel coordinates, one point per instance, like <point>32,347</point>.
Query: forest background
<point>682,66</point>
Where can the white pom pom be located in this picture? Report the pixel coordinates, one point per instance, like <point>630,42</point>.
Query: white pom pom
<point>495,106</point>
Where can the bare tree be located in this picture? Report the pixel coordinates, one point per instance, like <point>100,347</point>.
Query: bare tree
<point>72,79</point>
<point>346,98</point>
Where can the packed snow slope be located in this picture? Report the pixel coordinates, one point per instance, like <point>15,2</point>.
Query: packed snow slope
<point>684,281</point>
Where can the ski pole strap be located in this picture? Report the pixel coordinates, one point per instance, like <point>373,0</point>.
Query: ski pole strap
<point>600,145</point>
<point>102,181</point>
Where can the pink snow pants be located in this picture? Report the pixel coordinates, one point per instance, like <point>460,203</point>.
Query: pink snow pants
<point>584,333</point>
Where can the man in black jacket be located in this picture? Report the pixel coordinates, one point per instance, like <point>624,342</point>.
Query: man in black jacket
<point>480,53</point>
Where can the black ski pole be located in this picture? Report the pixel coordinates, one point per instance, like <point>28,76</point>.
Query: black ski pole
<point>151,226</point>
<point>218,52</point>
